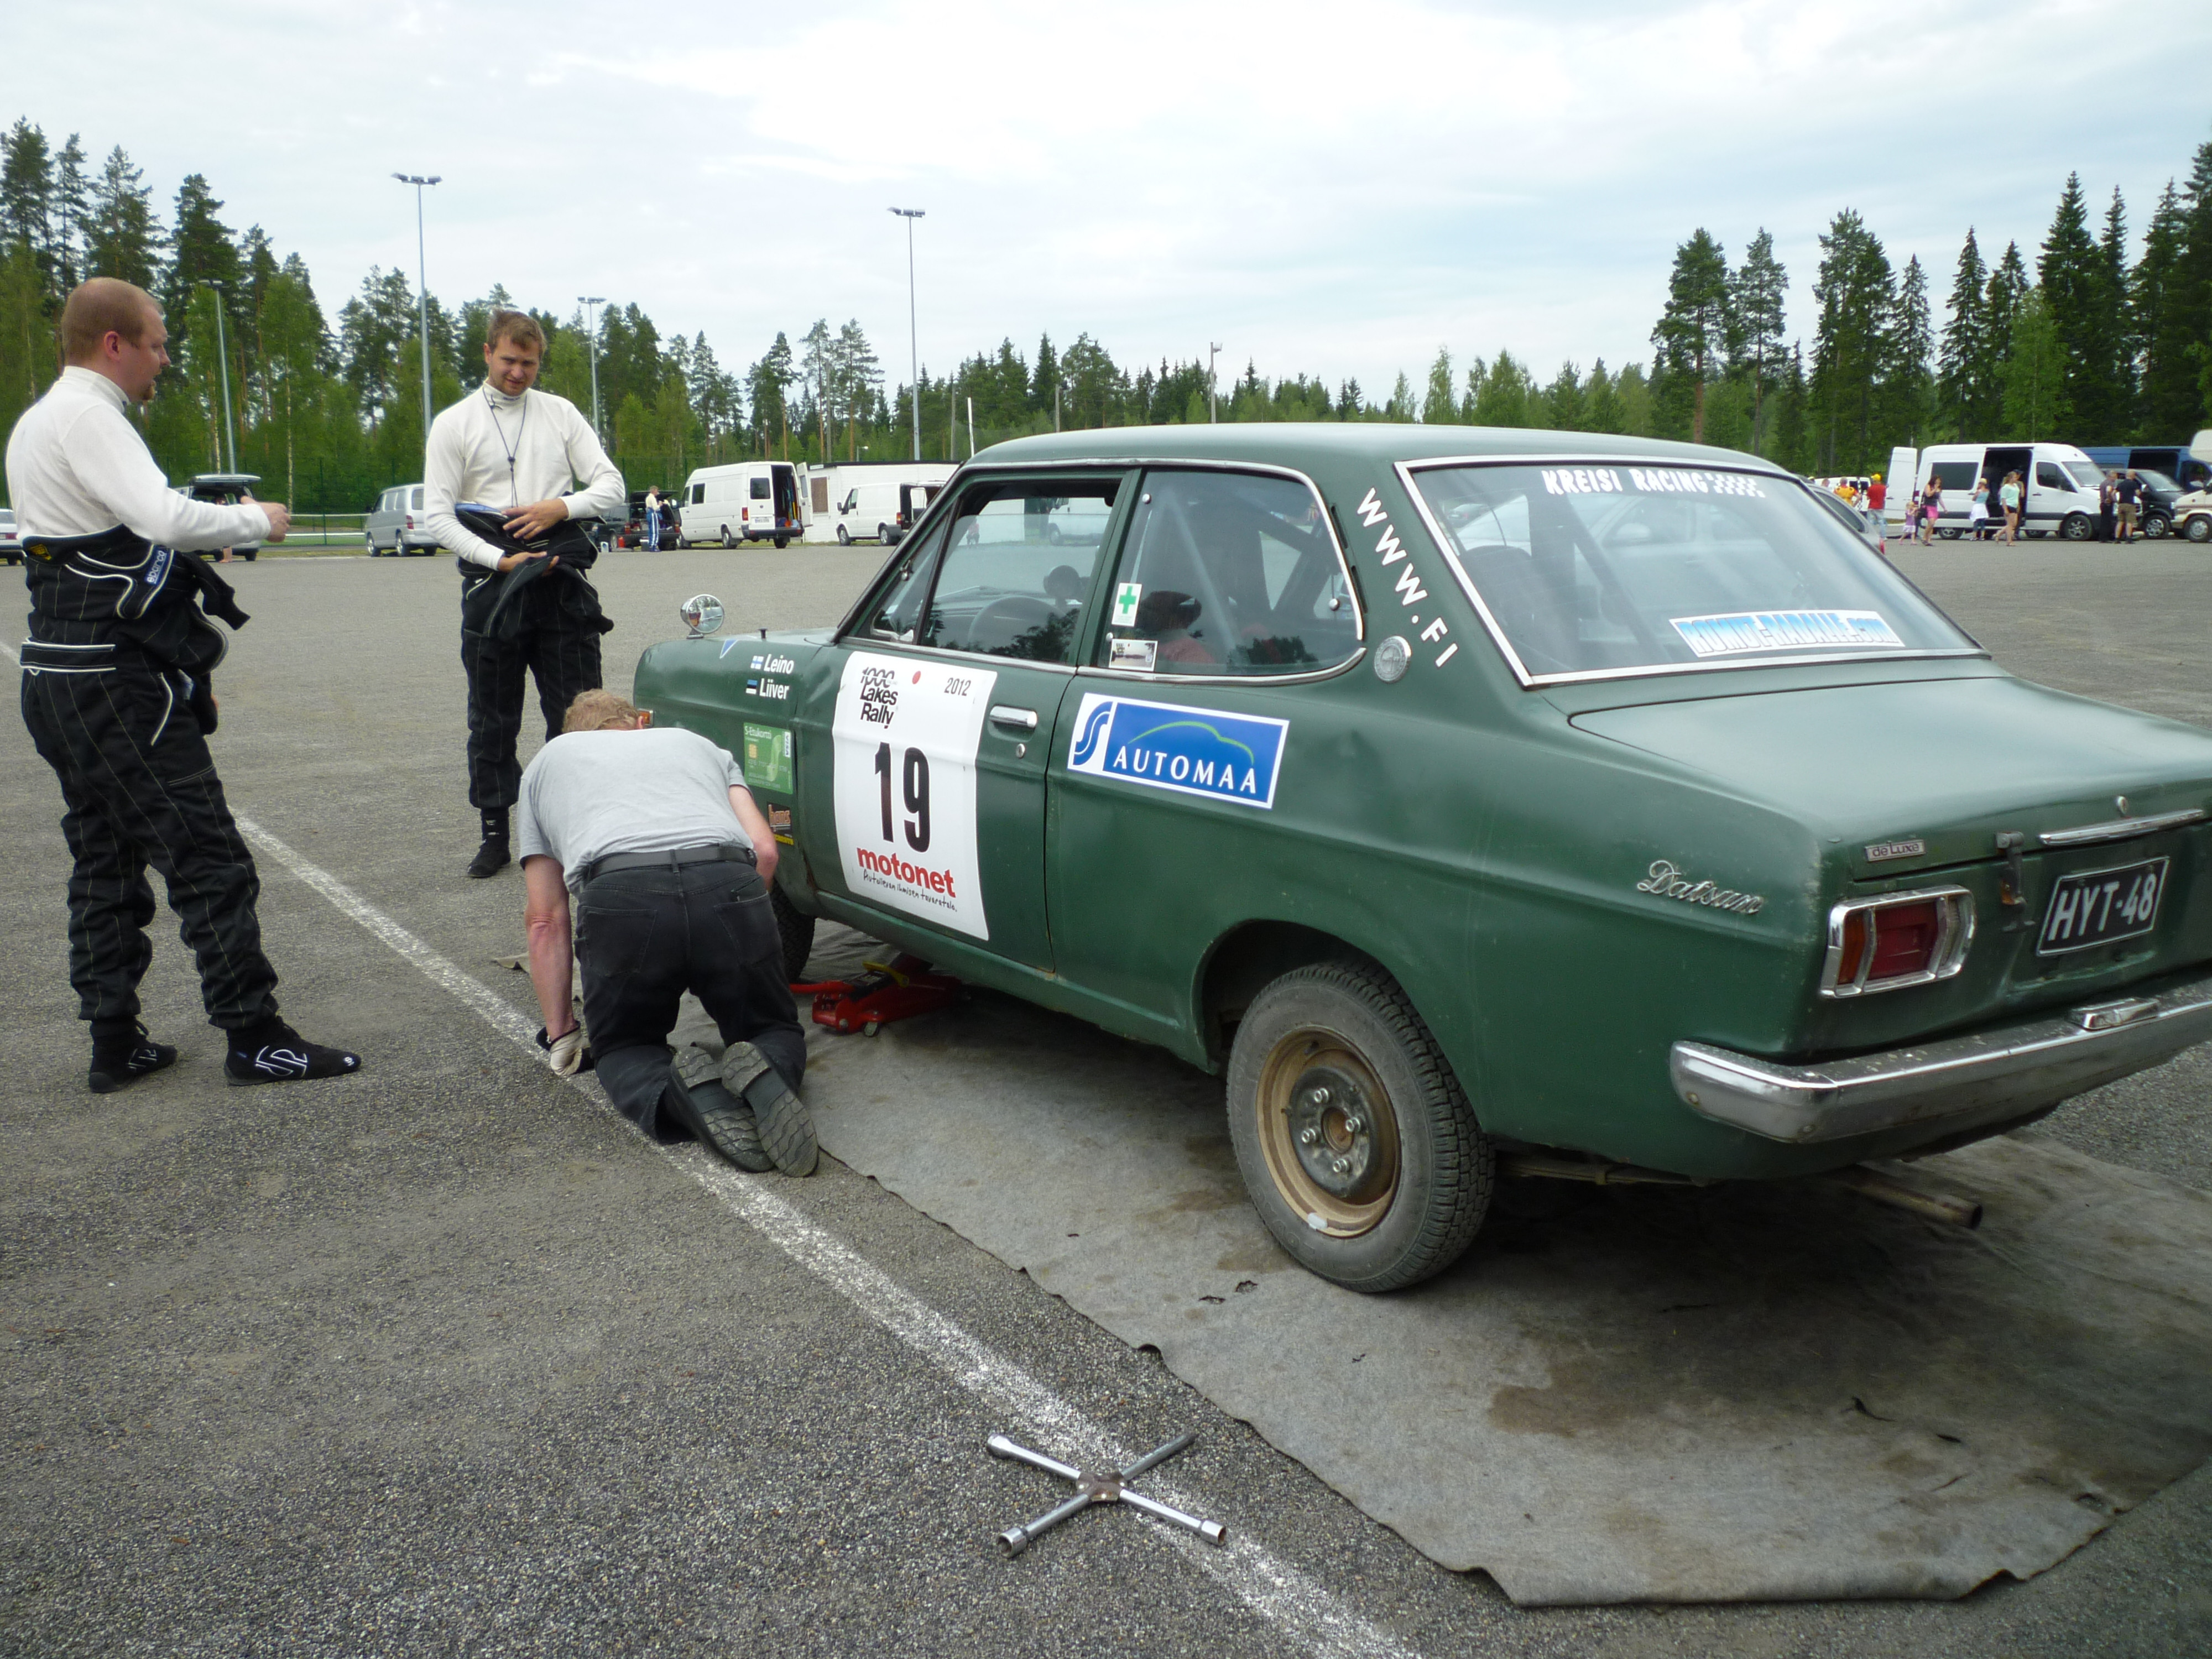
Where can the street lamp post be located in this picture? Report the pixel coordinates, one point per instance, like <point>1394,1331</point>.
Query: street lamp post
<point>1212,350</point>
<point>913,335</point>
<point>222,356</point>
<point>594,300</point>
<point>422,274</point>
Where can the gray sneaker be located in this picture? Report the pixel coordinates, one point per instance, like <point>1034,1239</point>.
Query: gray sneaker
<point>786,1126</point>
<point>716,1115</point>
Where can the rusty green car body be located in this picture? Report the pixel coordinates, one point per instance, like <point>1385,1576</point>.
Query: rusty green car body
<point>1748,886</point>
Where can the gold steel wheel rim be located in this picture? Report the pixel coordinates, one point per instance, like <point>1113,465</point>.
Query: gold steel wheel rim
<point>1328,1132</point>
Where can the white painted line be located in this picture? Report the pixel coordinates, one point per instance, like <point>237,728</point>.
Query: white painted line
<point>1305,1611</point>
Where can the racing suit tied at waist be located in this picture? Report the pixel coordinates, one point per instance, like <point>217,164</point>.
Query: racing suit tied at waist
<point>493,602</point>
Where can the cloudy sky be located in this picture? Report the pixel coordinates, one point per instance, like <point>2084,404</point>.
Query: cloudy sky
<point>1338,189</point>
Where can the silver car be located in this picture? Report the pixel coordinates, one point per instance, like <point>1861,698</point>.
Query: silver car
<point>11,540</point>
<point>226,490</point>
<point>395,524</point>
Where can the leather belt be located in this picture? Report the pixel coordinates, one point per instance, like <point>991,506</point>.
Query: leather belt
<point>674,858</point>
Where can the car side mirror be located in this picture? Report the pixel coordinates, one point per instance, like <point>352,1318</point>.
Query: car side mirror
<point>701,613</point>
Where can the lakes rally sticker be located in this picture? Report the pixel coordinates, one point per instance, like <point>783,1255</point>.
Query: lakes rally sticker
<point>1192,751</point>
<point>904,738</point>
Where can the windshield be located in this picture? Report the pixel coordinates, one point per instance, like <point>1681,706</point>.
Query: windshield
<point>2084,474</point>
<point>1596,569</point>
<point>2157,480</point>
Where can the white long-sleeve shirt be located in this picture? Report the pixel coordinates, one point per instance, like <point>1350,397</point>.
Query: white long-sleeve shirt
<point>509,452</point>
<point>77,467</point>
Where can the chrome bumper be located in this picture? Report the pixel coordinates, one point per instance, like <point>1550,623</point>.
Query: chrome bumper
<point>1953,1084</point>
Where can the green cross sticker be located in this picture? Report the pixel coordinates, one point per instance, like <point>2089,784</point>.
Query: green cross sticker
<point>1125,604</point>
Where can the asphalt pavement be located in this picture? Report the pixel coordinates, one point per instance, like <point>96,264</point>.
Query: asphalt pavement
<point>444,1358</point>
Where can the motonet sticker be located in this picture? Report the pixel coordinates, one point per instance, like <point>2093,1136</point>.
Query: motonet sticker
<point>1785,630</point>
<point>1192,751</point>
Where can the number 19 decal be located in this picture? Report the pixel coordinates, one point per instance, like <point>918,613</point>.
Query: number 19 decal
<point>904,737</point>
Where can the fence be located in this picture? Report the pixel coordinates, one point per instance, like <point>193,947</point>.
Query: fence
<point>326,529</point>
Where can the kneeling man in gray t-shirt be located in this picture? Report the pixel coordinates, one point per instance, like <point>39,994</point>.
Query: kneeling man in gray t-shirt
<point>655,835</point>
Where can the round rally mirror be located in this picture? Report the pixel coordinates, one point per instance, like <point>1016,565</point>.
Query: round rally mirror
<point>701,613</point>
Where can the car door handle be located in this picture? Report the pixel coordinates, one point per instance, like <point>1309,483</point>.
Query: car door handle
<point>1022,719</point>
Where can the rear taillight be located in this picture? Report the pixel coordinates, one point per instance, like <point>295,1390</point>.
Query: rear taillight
<point>411,521</point>
<point>1903,938</point>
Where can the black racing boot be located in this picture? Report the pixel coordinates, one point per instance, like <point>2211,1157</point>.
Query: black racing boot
<point>492,856</point>
<point>272,1051</point>
<point>122,1058</point>
<point>695,1095</point>
<point>786,1126</point>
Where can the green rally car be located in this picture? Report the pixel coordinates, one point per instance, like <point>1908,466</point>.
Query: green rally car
<point>1455,791</point>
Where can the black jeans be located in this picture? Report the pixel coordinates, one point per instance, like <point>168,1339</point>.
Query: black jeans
<point>141,788</point>
<point>644,938</point>
<point>560,650</point>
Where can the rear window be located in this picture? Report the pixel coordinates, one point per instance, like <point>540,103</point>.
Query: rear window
<point>1613,568</point>
<point>415,498</point>
<point>760,490</point>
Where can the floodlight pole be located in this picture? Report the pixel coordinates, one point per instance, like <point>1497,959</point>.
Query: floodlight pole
<point>913,333</point>
<point>423,275</point>
<point>594,300</point>
<point>222,357</point>
<point>1212,350</point>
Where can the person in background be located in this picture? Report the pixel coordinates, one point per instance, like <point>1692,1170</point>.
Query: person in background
<point>652,519</point>
<point>1877,498</point>
<point>1977,512</point>
<point>2009,499</point>
<point>2108,502</point>
<point>1931,506</point>
<point>2127,504</point>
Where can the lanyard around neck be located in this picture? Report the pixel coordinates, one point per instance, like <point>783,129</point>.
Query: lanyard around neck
<point>513,488</point>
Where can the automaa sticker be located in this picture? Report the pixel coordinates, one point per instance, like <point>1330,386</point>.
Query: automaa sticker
<point>1192,751</point>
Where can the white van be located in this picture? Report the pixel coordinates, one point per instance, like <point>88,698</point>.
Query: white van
<point>1897,486</point>
<point>745,501</point>
<point>2058,492</point>
<point>396,526</point>
<point>884,509</point>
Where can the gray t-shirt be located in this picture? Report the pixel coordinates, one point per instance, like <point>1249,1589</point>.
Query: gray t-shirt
<point>587,794</point>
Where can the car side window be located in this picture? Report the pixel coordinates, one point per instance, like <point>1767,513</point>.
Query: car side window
<point>1229,573</point>
<point>1017,564</point>
<point>897,616</point>
<point>760,488</point>
<point>2048,475</point>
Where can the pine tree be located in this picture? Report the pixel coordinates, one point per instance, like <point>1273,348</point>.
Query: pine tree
<point>1440,407</point>
<point>203,249</point>
<point>72,207</point>
<point>2115,319</point>
<point>1566,408</point>
<point>27,190</point>
<point>1756,298</point>
<point>2166,377</point>
<point>1908,388</point>
<point>767,381</point>
<point>1693,332</point>
<point>1600,402</point>
<point>1966,377</point>
<point>2178,351</point>
<point>124,238</point>
<point>2035,372</point>
<point>1504,399</point>
<point>1047,379</point>
<point>1856,295</point>
<point>2075,300</point>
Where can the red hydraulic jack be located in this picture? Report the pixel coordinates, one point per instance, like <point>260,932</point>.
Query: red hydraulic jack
<point>897,989</point>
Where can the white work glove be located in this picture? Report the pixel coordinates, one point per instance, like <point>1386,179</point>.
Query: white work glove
<point>565,1052</point>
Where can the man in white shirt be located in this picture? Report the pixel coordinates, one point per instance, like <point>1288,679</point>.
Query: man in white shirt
<point>118,694</point>
<point>511,447</point>
<point>654,834</point>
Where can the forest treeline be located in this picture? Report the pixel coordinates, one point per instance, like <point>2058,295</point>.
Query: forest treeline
<point>2086,343</point>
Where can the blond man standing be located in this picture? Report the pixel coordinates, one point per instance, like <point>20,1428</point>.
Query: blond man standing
<point>533,461</point>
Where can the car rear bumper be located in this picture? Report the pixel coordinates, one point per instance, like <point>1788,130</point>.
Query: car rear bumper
<point>1957,1084</point>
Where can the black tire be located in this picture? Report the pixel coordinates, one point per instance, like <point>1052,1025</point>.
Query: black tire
<point>797,933</point>
<point>2076,527</point>
<point>1949,535</point>
<point>2200,527</point>
<point>1421,1169</point>
<point>844,536</point>
<point>252,555</point>
<point>783,541</point>
<point>728,540</point>
<point>2157,526</point>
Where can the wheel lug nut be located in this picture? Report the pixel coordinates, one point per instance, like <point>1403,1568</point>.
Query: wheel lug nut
<point>1342,1166</point>
<point>1319,1097</point>
<point>1307,1137</point>
<point>1353,1126</point>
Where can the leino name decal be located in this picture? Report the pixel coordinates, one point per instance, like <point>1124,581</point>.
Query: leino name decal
<point>1409,590</point>
<point>1668,881</point>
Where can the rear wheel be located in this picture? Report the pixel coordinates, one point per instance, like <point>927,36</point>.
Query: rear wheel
<point>2076,527</point>
<point>1357,1144</point>
<point>797,933</point>
<point>1949,534</point>
<point>2156,526</point>
<point>844,536</point>
<point>728,540</point>
<point>783,541</point>
<point>2199,527</point>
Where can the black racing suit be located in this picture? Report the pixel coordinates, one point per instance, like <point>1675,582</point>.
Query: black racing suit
<point>542,617</point>
<point>117,693</point>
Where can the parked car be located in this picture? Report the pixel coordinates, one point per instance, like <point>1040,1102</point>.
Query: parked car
<point>1864,522</point>
<point>1458,794</point>
<point>396,525</point>
<point>226,490</point>
<point>2058,486</point>
<point>745,501</point>
<point>2192,515</point>
<point>632,533</point>
<point>11,542</point>
<point>2156,513</point>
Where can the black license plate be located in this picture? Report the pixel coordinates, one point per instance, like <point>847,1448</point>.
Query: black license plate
<point>2095,907</point>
